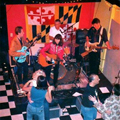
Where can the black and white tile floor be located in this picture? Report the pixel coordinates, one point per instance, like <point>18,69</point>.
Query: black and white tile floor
<point>9,110</point>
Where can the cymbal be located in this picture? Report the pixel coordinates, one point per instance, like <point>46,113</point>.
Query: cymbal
<point>73,45</point>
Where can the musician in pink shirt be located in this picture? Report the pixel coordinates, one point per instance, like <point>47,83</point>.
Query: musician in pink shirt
<point>54,48</point>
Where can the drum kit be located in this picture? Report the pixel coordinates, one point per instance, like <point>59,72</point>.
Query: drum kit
<point>68,57</point>
<point>68,65</point>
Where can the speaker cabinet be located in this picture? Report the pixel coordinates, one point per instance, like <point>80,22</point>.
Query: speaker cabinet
<point>80,39</point>
<point>81,36</point>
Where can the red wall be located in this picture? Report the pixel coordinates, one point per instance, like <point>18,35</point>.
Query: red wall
<point>15,17</point>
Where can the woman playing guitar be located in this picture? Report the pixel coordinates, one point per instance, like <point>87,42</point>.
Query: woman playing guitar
<point>51,53</point>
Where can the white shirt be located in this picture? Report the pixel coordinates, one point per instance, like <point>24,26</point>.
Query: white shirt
<point>33,83</point>
<point>53,32</point>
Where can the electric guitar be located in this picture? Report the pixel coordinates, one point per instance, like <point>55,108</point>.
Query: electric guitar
<point>94,47</point>
<point>25,49</point>
<point>42,60</point>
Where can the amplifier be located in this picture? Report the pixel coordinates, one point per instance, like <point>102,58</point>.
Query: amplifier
<point>81,36</point>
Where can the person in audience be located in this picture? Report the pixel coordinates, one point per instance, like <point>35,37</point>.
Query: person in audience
<point>110,110</point>
<point>87,109</point>
<point>37,97</point>
<point>56,30</point>
<point>34,83</point>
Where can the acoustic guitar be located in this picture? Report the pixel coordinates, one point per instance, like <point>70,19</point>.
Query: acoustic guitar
<point>42,60</point>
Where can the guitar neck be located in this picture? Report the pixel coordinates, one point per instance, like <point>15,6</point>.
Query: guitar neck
<point>87,52</point>
<point>98,47</point>
<point>34,40</point>
<point>31,45</point>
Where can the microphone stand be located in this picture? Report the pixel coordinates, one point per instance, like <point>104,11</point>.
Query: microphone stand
<point>71,47</point>
<point>71,44</point>
<point>32,59</point>
<point>68,28</point>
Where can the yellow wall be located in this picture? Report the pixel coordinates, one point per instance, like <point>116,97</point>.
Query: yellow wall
<point>107,12</point>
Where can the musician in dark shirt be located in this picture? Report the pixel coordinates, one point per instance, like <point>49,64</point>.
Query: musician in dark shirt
<point>95,37</point>
<point>87,109</point>
<point>16,44</point>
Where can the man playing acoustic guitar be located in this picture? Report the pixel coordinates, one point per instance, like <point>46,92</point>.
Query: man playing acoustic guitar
<point>51,54</point>
<point>16,45</point>
<point>96,36</point>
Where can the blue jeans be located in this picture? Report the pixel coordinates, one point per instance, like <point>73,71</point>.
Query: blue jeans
<point>88,113</point>
<point>46,110</point>
<point>38,112</point>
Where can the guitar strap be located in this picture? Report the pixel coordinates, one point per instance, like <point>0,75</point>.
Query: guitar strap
<point>101,32</point>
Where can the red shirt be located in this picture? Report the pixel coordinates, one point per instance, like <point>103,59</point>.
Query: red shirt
<point>53,49</point>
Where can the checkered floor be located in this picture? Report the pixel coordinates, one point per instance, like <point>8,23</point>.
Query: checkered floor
<point>9,110</point>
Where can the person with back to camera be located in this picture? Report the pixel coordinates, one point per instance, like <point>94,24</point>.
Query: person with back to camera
<point>34,83</point>
<point>87,109</point>
<point>110,110</point>
<point>38,95</point>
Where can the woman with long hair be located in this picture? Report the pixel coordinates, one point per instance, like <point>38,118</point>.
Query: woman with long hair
<point>38,95</point>
<point>54,48</point>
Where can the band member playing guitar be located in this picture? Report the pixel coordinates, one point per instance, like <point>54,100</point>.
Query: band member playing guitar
<point>16,44</point>
<point>52,53</point>
<point>96,36</point>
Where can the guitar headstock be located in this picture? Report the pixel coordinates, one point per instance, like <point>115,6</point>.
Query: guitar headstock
<point>38,36</point>
<point>114,47</point>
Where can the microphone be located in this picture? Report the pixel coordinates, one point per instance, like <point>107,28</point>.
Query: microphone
<point>27,39</point>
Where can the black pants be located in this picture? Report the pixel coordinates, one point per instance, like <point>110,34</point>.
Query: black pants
<point>94,62</point>
<point>55,71</point>
<point>22,68</point>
